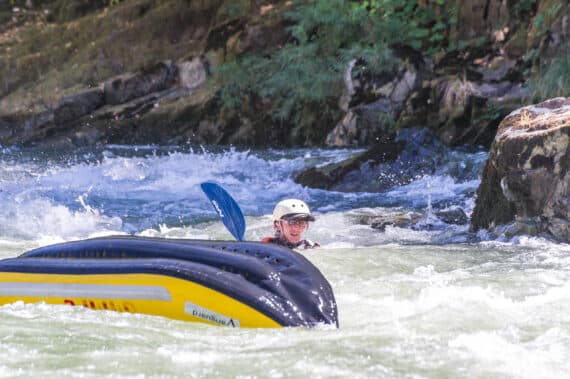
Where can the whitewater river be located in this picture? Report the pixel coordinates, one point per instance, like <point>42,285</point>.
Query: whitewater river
<point>429,302</point>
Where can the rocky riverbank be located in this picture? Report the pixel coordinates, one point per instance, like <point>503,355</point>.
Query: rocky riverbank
<point>94,74</point>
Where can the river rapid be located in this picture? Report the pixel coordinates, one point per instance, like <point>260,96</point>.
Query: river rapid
<point>433,301</point>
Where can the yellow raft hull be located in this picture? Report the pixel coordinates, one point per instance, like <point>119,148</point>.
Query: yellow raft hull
<point>133,293</point>
<point>230,283</point>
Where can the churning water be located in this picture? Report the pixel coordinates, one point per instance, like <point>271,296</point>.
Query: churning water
<point>428,302</point>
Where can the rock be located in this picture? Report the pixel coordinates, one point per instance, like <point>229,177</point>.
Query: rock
<point>210,132</point>
<point>29,128</point>
<point>455,216</point>
<point>192,74</point>
<point>409,82</point>
<point>454,98</point>
<point>341,175</point>
<point>465,95</point>
<point>348,91</point>
<point>6,131</point>
<point>480,17</point>
<point>86,136</point>
<point>345,133</point>
<point>362,125</point>
<point>409,219</point>
<point>526,178</point>
<point>469,112</point>
<point>394,160</point>
<point>495,68</point>
<point>78,105</point>
<point>128,87</point>
<point>397,219</point>
<point>372,102</point>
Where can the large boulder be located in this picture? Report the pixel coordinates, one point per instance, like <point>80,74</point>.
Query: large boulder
<point>394,160</point>
<point>525,185</point>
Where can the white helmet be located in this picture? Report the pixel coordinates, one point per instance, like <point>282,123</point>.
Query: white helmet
<point>293,208</point>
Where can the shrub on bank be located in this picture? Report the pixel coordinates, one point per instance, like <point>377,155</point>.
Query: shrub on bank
<point>325,35</point>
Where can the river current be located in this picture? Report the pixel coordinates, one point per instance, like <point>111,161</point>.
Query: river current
<point>432,301</point>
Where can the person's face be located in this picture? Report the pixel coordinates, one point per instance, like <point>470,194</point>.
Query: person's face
<point>293,230</point>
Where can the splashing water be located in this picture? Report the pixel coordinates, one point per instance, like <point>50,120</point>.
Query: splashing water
<point>416,302</point>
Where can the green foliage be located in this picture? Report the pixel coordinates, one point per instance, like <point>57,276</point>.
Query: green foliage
<point>552,80</point>
<point>539,20</point>
<point>326,35</point>
<point>420,26</point>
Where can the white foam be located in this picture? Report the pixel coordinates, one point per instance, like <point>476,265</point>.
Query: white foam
<point>38,219</point>
<point>432,188</point>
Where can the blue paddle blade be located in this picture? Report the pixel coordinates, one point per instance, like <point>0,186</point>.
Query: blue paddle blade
<point>227,208</point>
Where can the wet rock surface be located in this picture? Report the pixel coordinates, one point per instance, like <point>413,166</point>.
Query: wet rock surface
<point>405,156</point>
<point>526,180</point>
<point>414,219</point>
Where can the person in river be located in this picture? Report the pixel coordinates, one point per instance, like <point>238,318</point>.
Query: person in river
<point>291,218</point>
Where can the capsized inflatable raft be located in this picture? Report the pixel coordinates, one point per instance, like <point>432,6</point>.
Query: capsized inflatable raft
<point>239,284</point>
